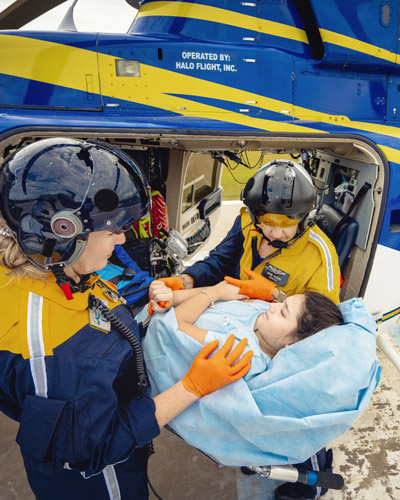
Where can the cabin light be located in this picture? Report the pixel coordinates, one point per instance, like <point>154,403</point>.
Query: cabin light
<point>125,67</point>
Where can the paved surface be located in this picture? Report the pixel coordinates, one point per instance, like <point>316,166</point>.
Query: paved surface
<point>368,455</point>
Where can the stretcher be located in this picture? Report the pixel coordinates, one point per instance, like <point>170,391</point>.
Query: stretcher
<point>310,393</point>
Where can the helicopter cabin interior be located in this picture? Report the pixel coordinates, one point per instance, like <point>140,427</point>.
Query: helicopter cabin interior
<point>187,170</point>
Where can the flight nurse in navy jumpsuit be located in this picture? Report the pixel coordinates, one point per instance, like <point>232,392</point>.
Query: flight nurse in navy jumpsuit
<point>71,369</point>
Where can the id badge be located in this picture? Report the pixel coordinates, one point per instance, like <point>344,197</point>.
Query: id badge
<point>96,320</point>
<point>275,274</point>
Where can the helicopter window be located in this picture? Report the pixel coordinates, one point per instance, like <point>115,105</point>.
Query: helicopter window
<point>200,179</point>
<point>125,67</point>
<point>394,221</point>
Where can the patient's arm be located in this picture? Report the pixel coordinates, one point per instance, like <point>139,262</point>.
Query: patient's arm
<point>189,310</point>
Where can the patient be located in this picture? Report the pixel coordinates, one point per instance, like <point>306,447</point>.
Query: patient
<point>283,324</point>
<point>297,397</point>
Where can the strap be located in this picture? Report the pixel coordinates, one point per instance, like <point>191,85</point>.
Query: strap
<point>359,196</point>
<point>126,275</point>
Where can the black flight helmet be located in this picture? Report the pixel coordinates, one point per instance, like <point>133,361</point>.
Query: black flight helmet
<point>54,192</point>
<point>281,187</point>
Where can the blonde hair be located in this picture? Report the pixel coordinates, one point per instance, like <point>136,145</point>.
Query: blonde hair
<point>13,258</point>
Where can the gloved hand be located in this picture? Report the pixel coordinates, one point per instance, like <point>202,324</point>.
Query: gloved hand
<point>209,374</point>
<point>257,287</point>
<point>174,283</point>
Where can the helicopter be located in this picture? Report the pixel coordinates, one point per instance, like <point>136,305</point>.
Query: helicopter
<point>195,86</point>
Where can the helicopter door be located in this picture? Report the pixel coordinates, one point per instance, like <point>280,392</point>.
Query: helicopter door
<point>194,195</point>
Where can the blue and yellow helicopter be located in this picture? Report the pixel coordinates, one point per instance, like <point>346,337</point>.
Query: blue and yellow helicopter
<point>196,84</point>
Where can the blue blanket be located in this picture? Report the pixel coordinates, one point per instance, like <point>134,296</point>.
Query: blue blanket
<point>285,409</point>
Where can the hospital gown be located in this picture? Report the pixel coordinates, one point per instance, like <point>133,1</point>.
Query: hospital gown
<point>284,410</point>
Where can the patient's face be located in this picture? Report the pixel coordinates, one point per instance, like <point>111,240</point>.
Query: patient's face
<point>276,326</point>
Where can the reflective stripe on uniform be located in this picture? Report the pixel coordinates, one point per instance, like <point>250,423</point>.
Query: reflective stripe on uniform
<point>36,345</point>
<point>112,482</point>
<point>329,264</point>
<point>315,466</point>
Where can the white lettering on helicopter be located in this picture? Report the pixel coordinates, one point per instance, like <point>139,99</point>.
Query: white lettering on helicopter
<point>189,57</point>
<point>200,55</point>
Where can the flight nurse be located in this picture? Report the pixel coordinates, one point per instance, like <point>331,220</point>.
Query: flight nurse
<point>274,236</point>
<point>71,367</point>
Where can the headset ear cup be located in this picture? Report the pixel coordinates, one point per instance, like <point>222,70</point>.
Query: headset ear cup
<point>66,225</point>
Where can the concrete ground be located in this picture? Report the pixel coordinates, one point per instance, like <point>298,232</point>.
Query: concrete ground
<point>368,455</point>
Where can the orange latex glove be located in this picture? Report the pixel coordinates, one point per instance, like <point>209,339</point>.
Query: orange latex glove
<point>209,374</point>
<point>174,283</point>
<point>257,287</point>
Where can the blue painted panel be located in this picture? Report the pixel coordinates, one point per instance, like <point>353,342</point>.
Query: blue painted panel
<point>193,29</point>
<point>393,99</point>
<point>388,238</point>
<point>16,91</point>
<point>116,122</point>
<point>337,94</point>
<point>359,19</point>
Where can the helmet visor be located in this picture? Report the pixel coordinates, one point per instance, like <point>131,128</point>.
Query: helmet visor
<point>277,220</point>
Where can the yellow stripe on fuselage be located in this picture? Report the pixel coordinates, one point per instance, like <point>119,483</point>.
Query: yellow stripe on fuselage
<point>235,19</point>
<point>222,16</point>
<point>49,62</point>
<point>58,64</point>
<point>165,82</point>
<point>354,44</point>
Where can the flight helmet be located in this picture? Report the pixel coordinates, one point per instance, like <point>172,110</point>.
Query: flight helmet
<point>280,187</point>
<point>54,192</point>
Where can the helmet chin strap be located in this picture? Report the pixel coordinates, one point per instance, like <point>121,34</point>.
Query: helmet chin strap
<point>67,284</point>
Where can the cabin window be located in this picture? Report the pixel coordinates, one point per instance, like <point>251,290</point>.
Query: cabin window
<point>200,179</point>
<point>394,221</point>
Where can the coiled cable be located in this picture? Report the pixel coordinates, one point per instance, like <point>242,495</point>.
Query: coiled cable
<point>96,303</point>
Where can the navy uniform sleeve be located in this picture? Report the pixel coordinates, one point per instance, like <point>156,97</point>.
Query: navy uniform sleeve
<point>224,260</point>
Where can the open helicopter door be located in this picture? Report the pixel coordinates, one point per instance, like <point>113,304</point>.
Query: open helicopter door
<point>194,195</point>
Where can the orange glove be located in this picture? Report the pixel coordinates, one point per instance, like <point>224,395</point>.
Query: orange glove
<point>209,374</point>
<point>257,287</point>
<point>174,283</point>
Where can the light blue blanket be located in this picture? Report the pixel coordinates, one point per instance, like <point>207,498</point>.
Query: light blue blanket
<point>284,410</point>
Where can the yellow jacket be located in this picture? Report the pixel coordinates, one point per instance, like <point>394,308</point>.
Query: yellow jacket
<point>310,264</point>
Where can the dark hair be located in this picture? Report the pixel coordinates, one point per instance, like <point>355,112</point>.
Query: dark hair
<point>318,312</point>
